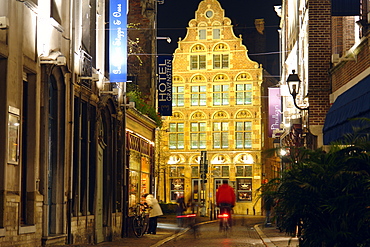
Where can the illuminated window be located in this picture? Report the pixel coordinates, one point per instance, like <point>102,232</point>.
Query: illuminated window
<point>198,135</point>
<point>197,62</point>
<point>176,136</point>
<point>220,135</point>
<point>243,94</point>
<point>178,96</point>
<point>198,95</point>
<point>244,189</point>
<point>220,61</point>
<point>243,135</point>
<point>220,94</point>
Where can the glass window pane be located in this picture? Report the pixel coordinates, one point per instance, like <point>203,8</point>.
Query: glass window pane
<point>248,98</point>
<point>202,99</point>
<point>180,127</point>
<point>239,99</point>
<point>203,140</point>
<point>239,126</point>
<point>194,99</point>
<point>194,62</point>
<point>203,89</point>
<point>216,126</point>
<point>202,61</point>
<point>194,140</point>
<point>180,89</point>
<point>194,127</point>
<point>239,171</point>
<point>225,61</point>
<point>248,125</point>
<point>217,88</point>
<point>225,126</point>
<point>202,126</point>
<point>216,99</point>
<point>180,141</point>
<point>225,140</point>
<point>225,88</point>
<point>216,61</point>
<point>173,127</point>
<point>225,171</point>
<point>194,89</point>
<point>225,100</point>
<point>216,140</point>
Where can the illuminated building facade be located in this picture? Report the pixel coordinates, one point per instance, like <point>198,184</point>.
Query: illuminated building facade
<point>217,108</point>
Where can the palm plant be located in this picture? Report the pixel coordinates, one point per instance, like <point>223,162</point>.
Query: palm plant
<point>324,197</point>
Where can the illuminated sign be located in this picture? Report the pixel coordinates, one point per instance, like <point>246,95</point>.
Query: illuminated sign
<point>118,41</point>
<point>164,86</point>
<point>274,110</point>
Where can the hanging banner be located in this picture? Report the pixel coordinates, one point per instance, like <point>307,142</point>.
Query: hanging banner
<point>164,85</point>
<point>118,40</point>
<point>274,110</point>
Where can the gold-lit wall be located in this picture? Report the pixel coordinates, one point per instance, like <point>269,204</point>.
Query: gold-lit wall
<point>216,108</point>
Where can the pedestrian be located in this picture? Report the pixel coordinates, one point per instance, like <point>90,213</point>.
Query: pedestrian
<point>180,209</point>
<point>154,211</point>
<point>225,199</point>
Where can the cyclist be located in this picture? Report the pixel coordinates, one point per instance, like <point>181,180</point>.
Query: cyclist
<point>225,199</point>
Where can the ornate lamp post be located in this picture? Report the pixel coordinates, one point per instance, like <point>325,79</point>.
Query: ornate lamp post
<point>294,84</point>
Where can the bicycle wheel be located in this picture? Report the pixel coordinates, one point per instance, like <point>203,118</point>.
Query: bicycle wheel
<point>137,226</point>
<point>225,227</point>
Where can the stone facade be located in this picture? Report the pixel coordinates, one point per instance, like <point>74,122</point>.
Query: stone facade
<point>217,89</point>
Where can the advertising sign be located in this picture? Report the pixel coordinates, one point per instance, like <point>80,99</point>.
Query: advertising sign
<point>118,40</point>
<point>164,85</point>
<point>274,110</point>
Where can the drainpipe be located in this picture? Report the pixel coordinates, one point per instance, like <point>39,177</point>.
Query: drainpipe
<point>72,60</point>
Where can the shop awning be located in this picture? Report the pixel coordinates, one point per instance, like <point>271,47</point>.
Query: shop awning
<point>354,103</point>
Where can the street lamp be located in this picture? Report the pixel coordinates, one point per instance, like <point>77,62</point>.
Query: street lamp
<point>168,39</point>
<point>294,84</point>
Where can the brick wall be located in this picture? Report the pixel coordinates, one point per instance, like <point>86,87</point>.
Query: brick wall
<point>319,51</point>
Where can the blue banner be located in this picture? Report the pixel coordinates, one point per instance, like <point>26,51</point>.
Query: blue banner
<point>118,40</point>
<point>164,86</point>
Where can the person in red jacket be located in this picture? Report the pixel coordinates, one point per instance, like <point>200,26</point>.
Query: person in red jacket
<point>225,199</point>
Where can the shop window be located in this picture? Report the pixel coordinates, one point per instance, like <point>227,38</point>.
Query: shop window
<point>177,188</point>
<point>244,189</point>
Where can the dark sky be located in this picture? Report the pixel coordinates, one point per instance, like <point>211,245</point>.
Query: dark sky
<point>174,16</point>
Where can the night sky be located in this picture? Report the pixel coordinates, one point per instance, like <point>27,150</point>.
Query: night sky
<point>174,16</point>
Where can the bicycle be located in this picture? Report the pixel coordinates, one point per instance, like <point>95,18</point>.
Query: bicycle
<point>225,220</point>
<point>140,220</point>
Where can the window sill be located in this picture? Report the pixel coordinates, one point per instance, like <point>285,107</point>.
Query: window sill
<point>27,229</point>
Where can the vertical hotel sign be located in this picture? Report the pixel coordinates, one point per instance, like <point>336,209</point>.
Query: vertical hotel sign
<point>118,40</point>
<point>164,86</point>
<point>274,110</point>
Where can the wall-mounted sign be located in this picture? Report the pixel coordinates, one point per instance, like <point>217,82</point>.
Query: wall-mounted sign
<point>118,40</point>
<point>164,85</point>
<point>274,109</point>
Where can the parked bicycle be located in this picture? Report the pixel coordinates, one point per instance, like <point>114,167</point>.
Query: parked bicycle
<point>140,220</point>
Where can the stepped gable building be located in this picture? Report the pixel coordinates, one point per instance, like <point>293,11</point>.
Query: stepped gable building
<point>217,109</point>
